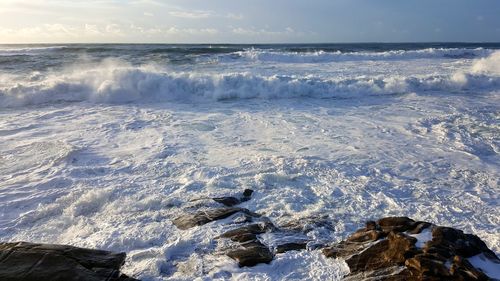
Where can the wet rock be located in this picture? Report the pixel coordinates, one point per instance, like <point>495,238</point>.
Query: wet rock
<point>251,251</point>
<point>386,250</point>
<point>247,232</point>
<point>247,193</point>
<point>365,235</point>
<point>227,201</point>
<point>398,224</point>
<point>27,261</point>
<point>203,217</point>
<point>251,254</point>
<point>232,201</point>
<point>293,246</point>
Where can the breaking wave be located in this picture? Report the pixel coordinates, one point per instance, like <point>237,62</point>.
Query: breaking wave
<point>322,56</point>
<point>118,82</point>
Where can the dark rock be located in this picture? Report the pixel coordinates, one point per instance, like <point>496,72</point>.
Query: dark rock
<point>466,245</point>
<point>392,251</point>
<point>247,193</point>
<point>204,217</point>
<point>371,225</point>
<point>364,236</point>
<point>227,201</point>
<point>245,233</point>
<point>232,201</point>
<point>251,254</point>
<point>251,251</point>
<point>293,246</point>
<point>370,254</point>
<point>396,224</point>
<point>27,261</point>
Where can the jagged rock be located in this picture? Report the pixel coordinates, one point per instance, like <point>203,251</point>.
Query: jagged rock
<point>251,251</point>
<point>227,201</point>
<point>398,224</point>
<point>247,232</point>
<point>292,246</point>
<point>32,262</point>
<point>232,201</point>
<point>203,217</point>
<point>386,250</point>
<point>251,254</point>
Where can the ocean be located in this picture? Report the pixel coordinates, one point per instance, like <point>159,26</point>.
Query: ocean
<point>102,146</point>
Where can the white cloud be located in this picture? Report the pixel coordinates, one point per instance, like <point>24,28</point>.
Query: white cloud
<point>192,14</point>
<point>147,14</point>
<point>102,33</point>
<point>266,32</point>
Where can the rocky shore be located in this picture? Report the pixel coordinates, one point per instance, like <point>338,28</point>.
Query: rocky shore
<point>392,248</point>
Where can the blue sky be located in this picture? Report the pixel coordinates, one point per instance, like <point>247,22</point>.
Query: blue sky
<point>248,21</point>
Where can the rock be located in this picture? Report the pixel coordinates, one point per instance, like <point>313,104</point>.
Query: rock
<point>203,217</point>
<point>246,233</point>
<point>398,224</point>
<point>251,251</point>
<point>387,251</point>
<point>232,201</point>
<point>27,261</point>
<point>365,235</point>
<point>247,193</point>
<point>293,246</point>
<point>227,201</point>
<point>251,254</point>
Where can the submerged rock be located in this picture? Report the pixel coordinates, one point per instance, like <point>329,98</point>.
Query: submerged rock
<point>308,224</point>
<point>33,262</point>
<point>399,248</point>
<point>203,217</point>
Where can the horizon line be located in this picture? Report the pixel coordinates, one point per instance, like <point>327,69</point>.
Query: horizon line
<point>256,43</point>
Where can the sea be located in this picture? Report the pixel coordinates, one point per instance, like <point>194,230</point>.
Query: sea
<point>103,145</point>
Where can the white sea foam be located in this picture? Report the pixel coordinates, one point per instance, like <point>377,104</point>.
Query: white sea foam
<point>489,266</point>
<point>489,65</point>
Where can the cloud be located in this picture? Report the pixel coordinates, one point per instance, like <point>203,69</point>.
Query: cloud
<point>192,14</point>
<point>148,14</point>
<point>112,32</point>
<point>265,32</point>
<point>48,31</point>
<point>203,14</point>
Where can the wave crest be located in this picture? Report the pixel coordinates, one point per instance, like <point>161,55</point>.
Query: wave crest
<point>322,56</point>
<point>118,82</point>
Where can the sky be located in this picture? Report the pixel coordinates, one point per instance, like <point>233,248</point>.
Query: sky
<point>248,21</point>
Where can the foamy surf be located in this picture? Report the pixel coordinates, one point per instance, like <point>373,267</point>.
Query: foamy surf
<point>117,81</point>
<point>105,148</point>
